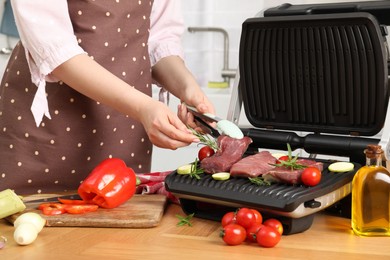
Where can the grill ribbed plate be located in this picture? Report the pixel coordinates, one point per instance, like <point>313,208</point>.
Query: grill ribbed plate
<point>276,197</point>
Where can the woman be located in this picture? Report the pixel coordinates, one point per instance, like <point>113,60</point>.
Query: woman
<point>83,70</point>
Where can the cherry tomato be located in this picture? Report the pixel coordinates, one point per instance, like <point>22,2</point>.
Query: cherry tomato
<point>252,231</point>
<point>258,216</point>
<point>233,234</point>
<point>204,152</point>
<point>228,218</point>
<point>272,222</point>
<point>245,217</point>
<point>283,158</point>
<point>80,209</point>
<point>268,236</point>
<point>311,176</point>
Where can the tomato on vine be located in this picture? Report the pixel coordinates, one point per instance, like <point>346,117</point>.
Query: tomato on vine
<point>258,216</point>
<point>228,218</point>
<point>268,236</point>
<point>245,217</point>
<point>251,232</point>
<point>272,222</point>
<point>233,234</point>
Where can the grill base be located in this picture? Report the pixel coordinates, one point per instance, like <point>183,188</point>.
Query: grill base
<point>294,205</point>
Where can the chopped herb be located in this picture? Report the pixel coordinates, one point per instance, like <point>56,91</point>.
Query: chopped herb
<point>184,221</point>
<point>291,163</point>
<point>206,139</point>
<point>259,181</point>
<point>195,170</point>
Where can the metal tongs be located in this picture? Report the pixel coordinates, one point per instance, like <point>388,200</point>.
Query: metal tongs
<point>223,126</point>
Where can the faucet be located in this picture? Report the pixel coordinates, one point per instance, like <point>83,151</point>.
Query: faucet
<point>226,72</point>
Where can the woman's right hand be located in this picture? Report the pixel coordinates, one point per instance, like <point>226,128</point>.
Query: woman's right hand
<point>164,127</point>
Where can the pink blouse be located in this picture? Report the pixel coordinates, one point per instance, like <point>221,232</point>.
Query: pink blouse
<point>46,32</point>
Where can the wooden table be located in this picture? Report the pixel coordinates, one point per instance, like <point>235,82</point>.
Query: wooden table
<point>329,237</point>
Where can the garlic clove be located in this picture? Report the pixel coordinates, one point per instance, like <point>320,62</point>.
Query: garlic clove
<point>33,218</point>
<point>25,233</point>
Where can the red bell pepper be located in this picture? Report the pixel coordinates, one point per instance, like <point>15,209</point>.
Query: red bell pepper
<point>52,208</point>
<point>109,185</point>
<point>55,208</point>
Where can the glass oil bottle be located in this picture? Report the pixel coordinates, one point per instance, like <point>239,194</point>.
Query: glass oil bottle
<point>371,196</point>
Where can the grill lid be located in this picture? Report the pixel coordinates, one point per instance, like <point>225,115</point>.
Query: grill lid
<point>317,73</point>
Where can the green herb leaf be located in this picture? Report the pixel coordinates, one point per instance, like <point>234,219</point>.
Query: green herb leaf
<point>195,170</point>
<point>184,221</point>
<point>291,163</point>
<point>259,181</point>
<point>205,139</point>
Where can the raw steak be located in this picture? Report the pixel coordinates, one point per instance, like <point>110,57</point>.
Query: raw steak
<point>253,165</point>
<point>230,151</point>
<point>286,175</point>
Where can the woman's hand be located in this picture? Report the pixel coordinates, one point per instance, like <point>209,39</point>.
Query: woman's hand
<point>172,73</point>
<point>164,128</point>
<point>204,106</point>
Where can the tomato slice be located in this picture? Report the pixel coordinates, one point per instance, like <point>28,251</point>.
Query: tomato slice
<point>72,202</point>
<point>80,209</point>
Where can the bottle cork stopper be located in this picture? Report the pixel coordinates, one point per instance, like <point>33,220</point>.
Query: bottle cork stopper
<point>373,150</point>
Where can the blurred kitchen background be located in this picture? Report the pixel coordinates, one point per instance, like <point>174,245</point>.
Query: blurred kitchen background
<point>207,56</point>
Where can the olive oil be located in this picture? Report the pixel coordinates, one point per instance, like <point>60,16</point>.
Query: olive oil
<point>371,196</point>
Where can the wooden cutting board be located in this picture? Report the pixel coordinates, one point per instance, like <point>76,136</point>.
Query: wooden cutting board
<point>141,211</point>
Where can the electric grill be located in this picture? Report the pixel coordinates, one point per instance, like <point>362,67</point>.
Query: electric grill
<point>315,77</point>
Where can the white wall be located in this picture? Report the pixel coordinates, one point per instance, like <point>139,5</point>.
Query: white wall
<point>5,42</point>
<point>204,55</point>
<point>204,51</point>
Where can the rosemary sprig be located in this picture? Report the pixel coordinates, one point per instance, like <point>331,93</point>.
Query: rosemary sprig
<point>291,163</point>
<point>259,181</point>
<point>195,170</point>
<point>184,220</point>
<point>206,139</point>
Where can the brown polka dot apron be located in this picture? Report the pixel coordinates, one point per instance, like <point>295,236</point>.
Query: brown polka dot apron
<point>63,150</point>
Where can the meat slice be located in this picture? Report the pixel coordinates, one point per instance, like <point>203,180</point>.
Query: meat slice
<point>286,175</point>
<point>253,165</point>
<point>230,151</point>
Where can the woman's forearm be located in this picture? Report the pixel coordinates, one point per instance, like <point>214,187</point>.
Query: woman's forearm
<point>172,73</point>
<point>174,76</point>
<point>89,78</point>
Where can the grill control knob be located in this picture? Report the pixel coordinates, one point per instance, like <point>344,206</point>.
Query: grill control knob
<point>312,204</point>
